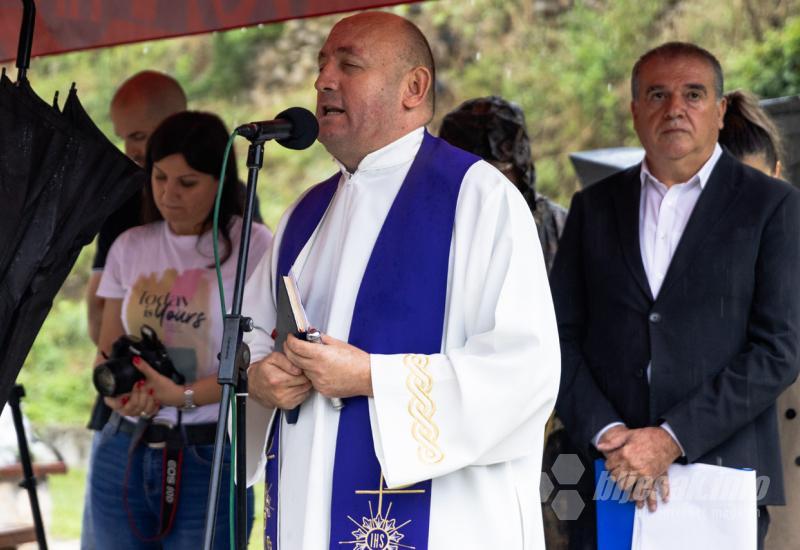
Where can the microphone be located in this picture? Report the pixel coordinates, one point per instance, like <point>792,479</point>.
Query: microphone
<point>294,128</point>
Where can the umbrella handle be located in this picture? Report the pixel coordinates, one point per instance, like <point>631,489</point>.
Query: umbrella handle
<point>25,39</point>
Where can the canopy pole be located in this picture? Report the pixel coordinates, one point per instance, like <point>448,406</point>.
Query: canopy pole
<point>25,39</point>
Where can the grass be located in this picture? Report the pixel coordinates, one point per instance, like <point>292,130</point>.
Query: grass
<point>257,536</point>
<point>66,492</point>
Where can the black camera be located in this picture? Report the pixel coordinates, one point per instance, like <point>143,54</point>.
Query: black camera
<point>117,375</point>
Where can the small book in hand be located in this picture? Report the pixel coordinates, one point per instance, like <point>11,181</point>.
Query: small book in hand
<point>291,320</point>
<point>291,314</point>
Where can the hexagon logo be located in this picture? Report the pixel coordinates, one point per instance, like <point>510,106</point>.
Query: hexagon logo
<point>567,469</point>
<point>545,487</point>
<point>565,473</point>
<point>568,505</point>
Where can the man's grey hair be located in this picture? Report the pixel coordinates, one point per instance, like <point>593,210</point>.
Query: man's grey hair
<point>671,50</point>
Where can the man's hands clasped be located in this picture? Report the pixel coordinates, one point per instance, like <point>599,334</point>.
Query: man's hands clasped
<point>638,459</point>
<point>334,369</point>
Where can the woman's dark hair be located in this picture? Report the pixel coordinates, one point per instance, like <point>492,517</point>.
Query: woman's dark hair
<point>748,130</point>
<point>494,129</point>
<point>201,138</point>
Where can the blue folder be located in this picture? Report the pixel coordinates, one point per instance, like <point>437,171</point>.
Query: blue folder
<point>614,518</point>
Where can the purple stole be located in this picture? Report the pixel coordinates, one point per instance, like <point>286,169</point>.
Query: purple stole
<point>399,308</point>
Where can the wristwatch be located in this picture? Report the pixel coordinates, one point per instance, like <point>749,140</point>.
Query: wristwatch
<point>188,399</point>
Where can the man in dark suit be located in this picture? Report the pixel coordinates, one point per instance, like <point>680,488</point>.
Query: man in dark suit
<point>675,291</point>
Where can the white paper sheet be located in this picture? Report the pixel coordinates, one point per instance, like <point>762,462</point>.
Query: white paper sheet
<point>709,507</point>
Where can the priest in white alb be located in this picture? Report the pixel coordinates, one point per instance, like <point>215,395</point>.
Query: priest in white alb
<point>421,266</point>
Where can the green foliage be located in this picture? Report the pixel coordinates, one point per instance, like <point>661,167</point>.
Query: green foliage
<point>229,68</point>
<point>57,372</point>
<point>569,74</point>
<point>569,70</point>
<point>772,68</point>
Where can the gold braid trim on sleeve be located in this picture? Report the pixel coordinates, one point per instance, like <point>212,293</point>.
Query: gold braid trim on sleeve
<point>422,408</point>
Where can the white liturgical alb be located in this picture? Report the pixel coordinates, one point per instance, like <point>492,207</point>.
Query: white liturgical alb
<point>493,385</point>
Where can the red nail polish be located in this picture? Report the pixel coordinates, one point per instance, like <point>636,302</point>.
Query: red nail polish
<point>140,383</point>
<point>150,391</point>
<point>124,400</point>
<point>136,360</point>
<point>274,334</point>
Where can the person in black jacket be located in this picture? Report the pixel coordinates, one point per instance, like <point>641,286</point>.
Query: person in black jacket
<point>675,292</point>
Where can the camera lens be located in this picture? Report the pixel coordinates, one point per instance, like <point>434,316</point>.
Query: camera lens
<point>116,377</point>
<point>104,380</point>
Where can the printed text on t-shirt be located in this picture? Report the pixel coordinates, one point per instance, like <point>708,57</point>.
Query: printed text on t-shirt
<point>169,307</point>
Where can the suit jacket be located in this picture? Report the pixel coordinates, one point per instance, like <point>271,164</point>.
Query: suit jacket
<point>722,336</point>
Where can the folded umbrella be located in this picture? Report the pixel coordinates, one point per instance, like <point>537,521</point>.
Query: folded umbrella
<point>62,178</point>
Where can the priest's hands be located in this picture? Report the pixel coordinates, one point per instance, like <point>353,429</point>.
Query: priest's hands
<point>275,382</point>
<point>638,461</point>
<point>284,380</point>
<point>335,369</point>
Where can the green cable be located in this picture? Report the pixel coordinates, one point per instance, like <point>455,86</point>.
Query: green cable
<point>217,204</point>
<point>232,404</point>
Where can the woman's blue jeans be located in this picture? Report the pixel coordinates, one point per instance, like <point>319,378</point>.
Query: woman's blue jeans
<point>112,516</point>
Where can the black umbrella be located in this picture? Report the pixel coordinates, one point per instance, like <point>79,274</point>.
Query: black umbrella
<point>20,184</point>
<point>59,179</point>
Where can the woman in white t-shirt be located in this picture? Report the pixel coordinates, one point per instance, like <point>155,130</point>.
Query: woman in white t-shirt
<point>150,489</point>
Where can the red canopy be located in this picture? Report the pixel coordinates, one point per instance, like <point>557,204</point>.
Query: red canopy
<point>69,25</point>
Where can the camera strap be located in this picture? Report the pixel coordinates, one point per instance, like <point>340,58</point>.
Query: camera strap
<point>172,462</point>
<point>138,432</point>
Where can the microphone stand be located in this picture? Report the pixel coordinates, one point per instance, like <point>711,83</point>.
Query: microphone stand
<point>234,360</point>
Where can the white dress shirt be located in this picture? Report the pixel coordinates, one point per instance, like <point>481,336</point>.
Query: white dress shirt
<point>663,215</point>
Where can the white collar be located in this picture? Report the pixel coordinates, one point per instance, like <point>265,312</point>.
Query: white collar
<point>702,175</point>
<point>397,152</point>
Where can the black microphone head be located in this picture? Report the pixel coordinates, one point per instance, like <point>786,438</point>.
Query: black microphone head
<point>305,128</point>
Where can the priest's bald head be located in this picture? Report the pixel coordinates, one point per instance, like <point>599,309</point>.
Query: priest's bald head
<point>140,104</point>
<point>375,84</point>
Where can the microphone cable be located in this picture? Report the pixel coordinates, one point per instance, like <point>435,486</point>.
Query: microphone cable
<point>232,402</point>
